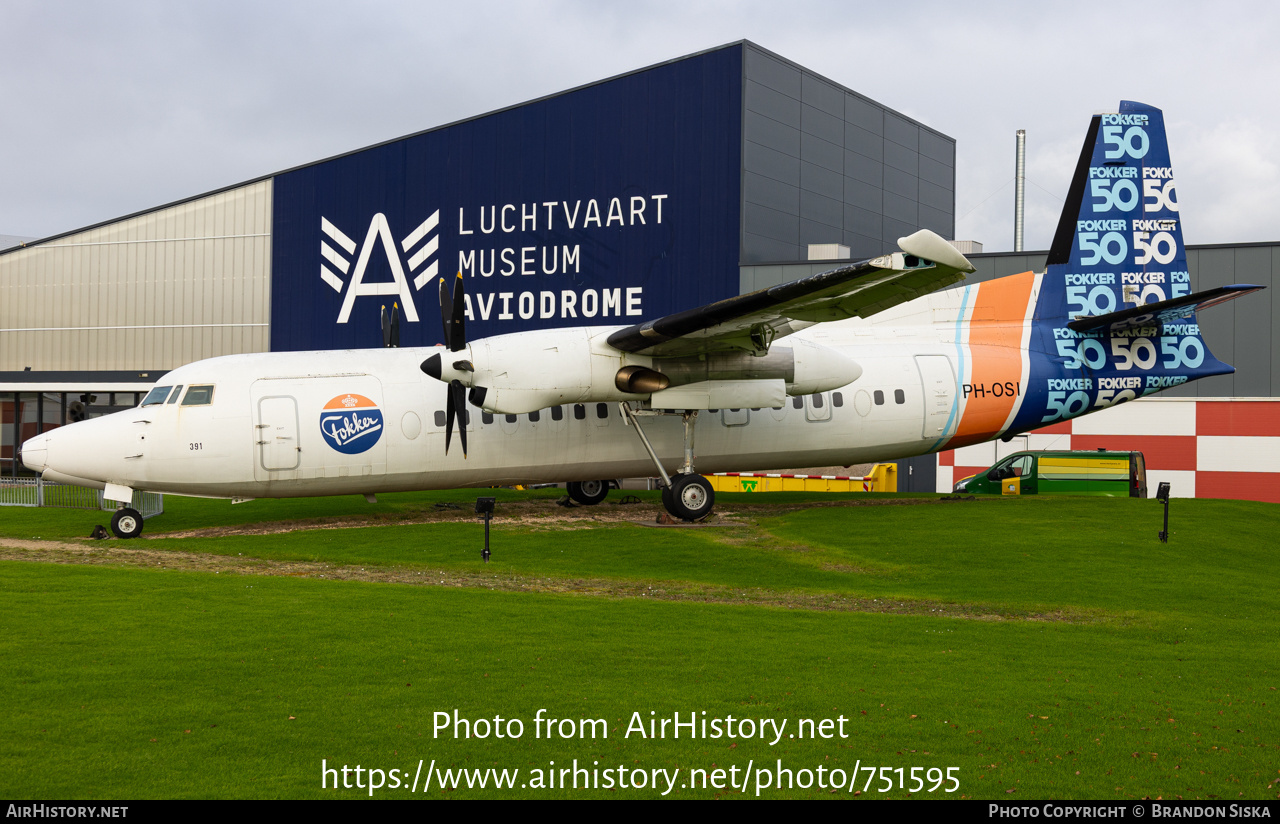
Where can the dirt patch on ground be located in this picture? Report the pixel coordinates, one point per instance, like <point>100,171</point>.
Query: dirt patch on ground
<point>134,555</point>
<point>520,513</point>
<point>537,514</point>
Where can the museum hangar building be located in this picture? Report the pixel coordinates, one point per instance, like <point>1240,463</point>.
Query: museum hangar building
<point>623,200</point>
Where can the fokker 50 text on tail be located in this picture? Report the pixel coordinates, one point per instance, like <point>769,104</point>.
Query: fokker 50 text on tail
<point>863,363</point>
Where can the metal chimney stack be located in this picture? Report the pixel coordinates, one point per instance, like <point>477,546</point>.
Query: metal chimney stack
<point>1019,190</point>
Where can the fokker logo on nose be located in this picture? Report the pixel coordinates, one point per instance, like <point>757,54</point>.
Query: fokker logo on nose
<point>379,234</point>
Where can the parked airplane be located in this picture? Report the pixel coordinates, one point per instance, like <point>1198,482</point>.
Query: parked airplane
<point>863,363</point>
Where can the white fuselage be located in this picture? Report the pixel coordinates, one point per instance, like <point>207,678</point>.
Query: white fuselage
<point>267,432</point>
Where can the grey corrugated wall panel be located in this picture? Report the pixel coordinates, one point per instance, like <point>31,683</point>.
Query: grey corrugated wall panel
<point>814,178</point>
<point>821,94</point>
<point>148,292</point>
<point>863,222</point>
<point>822,152</point>
<point>937,174</point>
<point>901,158</point>
<point>1213,268</point>
<point>864,142</point>
<point>1254,329</point>
<point>935,220</point>
<point>1275,313</point>
<point>772,104</point>
<point>771,223</point>
<point>760,189</point>
<point>902,184</point>
<point>775,74</point>
<point>821,209</point>
<point>775,135</point>
<point>901,131</point>
<point>772,163</point>
<point>822,124</point>
<point>852,150</point>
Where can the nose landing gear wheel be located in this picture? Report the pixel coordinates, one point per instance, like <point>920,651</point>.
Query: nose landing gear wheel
<point>588,493</point>
<point>689,498</point>
<point>126,523</point>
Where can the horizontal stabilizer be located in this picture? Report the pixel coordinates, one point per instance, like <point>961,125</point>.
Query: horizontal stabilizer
<point>1166,311</point>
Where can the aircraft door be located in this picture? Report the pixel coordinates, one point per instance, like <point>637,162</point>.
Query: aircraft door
<point>276,431</point>
<point>318,427</point>
<point>939,383</point>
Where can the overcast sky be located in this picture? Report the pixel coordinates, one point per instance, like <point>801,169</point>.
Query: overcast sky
<point>114,107</point>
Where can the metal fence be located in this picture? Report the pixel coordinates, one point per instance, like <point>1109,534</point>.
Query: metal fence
<point>39,492</point>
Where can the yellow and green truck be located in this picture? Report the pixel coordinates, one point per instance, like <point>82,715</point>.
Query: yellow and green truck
<point>1111,474</point>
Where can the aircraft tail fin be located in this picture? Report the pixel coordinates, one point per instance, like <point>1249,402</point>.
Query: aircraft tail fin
<point>1118,265</point>
<point>1119,239</point>
<point>1113,316</point>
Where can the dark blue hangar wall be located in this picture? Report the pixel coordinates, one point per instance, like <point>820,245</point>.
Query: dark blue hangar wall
<point>608,204</point>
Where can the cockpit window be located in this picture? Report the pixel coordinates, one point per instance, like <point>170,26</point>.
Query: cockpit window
<point>199,396</point>
<point>177,390</point>
<point>156,396</point>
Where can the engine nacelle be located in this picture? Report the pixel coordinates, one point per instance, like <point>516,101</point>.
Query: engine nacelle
<point>525,371</point>
<point>819,369</point>
<point>804,366</point>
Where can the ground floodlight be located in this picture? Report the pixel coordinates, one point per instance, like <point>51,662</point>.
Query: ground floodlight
<point>484,506</point>
<point>1162,495</point>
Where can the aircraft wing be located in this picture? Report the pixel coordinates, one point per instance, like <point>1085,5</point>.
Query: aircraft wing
<point>753,321</point>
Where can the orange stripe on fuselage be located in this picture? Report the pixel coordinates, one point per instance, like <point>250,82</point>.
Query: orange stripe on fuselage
<point>995,352</point>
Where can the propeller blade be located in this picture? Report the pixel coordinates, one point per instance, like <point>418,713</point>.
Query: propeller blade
<point>386,328</point>
<point>450,412</point>
<point>457,402</point>
<point>458,317</point>
<point>395,325</point>
<point>446,312</point>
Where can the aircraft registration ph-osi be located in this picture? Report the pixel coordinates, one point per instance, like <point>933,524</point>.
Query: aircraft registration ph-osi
<point>871,361</point>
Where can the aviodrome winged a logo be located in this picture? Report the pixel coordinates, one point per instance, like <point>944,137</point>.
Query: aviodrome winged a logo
<point>379,234</point>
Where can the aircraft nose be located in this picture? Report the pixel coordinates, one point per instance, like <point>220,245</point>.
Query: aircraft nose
<point>34,453</point>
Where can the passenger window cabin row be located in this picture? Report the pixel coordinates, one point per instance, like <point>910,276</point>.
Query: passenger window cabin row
<point>556,412</point>
<point>602,409</point>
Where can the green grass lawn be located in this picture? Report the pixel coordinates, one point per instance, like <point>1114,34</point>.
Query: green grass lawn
<point>1097,662</point>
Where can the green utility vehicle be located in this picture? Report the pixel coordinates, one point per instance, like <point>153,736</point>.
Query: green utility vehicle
<point>1112,474</point>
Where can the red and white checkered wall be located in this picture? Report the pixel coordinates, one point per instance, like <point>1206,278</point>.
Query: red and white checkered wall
<point>1205,448</point>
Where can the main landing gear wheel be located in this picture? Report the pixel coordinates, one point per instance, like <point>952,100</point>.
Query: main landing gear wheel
<point>689,498</point>
<point>127,523</point>
<point>588,493</point>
